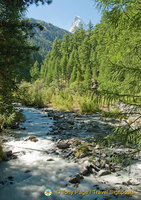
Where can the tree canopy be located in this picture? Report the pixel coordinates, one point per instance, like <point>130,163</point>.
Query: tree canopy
<point>15,49</point>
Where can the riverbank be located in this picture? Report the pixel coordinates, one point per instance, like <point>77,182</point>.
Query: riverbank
<point>75,137</point>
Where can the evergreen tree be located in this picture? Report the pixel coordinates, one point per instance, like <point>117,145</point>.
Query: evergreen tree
<point>15,51</point>
<point>63,65</point>
<point>87,78</point>
<point>71,64</point>
<point>56,71</point>
<point>90,28</point>
<point>34,72</point>
<point>78,77</point>
<point>73,75</point>
<point>84,54</point>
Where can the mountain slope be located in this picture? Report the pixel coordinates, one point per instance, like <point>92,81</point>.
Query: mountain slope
<point>45,38</point>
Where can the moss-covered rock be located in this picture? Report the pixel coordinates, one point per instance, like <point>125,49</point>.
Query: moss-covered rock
<point>82,151</point>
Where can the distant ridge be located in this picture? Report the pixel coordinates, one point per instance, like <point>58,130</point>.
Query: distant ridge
<point>45,38</point>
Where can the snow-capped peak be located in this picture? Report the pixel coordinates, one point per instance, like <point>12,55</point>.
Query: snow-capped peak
<point>78,23</point>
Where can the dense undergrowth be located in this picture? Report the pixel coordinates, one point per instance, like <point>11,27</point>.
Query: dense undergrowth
<point>68,98</point>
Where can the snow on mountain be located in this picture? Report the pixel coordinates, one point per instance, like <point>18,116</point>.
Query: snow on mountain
<point>78,23</point>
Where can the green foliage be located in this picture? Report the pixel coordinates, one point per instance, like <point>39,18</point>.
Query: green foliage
<point>36,94</point>
<point>15,54</point>
<point>88,105</point>
<point>116,114</point>
<point>123,136</point>
<point>82,151</point>
<point>8,120</point>
<point>34,72</point>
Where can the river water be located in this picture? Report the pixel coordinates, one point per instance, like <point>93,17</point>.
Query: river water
<point>26,177</point>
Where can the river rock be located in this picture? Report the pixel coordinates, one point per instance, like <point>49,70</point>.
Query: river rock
<point>71,122</point>
<point>4,140</point>
<point>117,174</point>
<point>76,179</point>
<point>98,147</point>
<point>127,183</point>
<point>61,144</point>
<point>85,172</point>
<point>92,129</point>
<point>93,171</point>
<point>87,164</point>
<point>14,157</point>
<point>117,168</point>
<point>50,159</point>
<point>103,172</point>
<point>98,164</point>
<point>90,166</point>
<point>33,138</point>
<point>27,171</point>
<point>10,178</point>
<point>107,166</point>
<point>15,126</point>
<point>8,153</point>
<point>22,128</point>
<point>55,117</point>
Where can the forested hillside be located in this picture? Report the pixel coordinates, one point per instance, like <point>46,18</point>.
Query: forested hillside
<point>44,38</point>
<point>104,60</point>
<point>91,69</point>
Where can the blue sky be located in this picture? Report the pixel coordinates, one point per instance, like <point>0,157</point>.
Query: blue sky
<point>61,13</point>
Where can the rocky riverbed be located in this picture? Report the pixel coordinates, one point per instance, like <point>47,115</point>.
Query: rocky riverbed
<point>59,150</point>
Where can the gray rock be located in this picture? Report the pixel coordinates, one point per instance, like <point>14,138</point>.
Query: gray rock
<point>117,174</point>
<point>55,117</point>
<point>4,140</point>
<point>93,171</point>
<point>127,183</point>
<point>62,144</point>
<point>98,164</point>
<point>76,179</point>
<point>103,172</point>
<point>89,165</point>
<point>107,166</point>
<point>85,172</point>
<point>32,138</point>
<point>71,122</point>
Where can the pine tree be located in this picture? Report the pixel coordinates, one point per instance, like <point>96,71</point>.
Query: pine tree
<point>87,78</point>
<point>34,72</point>
<point>63,66</point>
<point>71,64</point>
<point>78,77</point>
<point>73,75</point>
<point>84,54</point>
